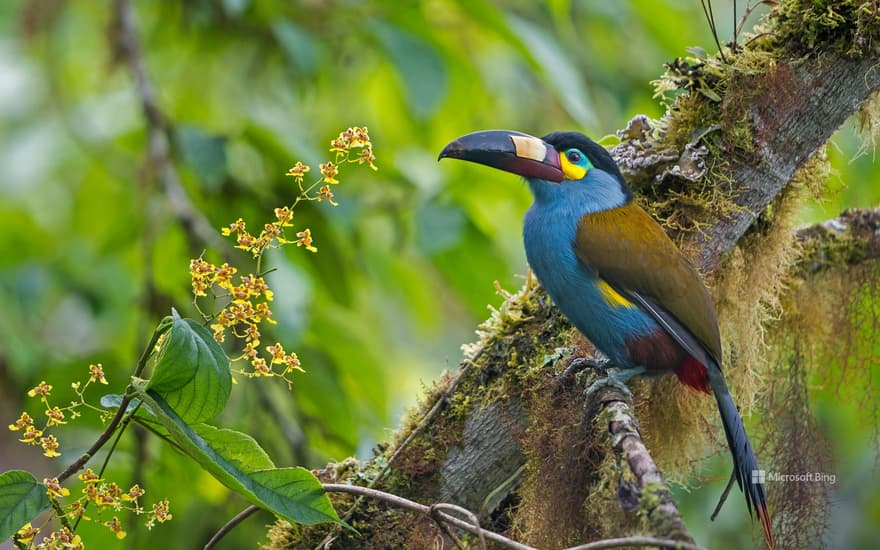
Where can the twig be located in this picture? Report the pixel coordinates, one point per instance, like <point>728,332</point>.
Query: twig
<point>724,496</point>
<point>757,36</point>
<point>742,22</point>
<point>438,404</point>
<point>450,532</point>
<point>734,19</point>
<point>230,525</point>
<point>435,512</point>
<point>465,512</point>
<point>194,223</point>
<point>710,17</point>
<point>117,418</point>
<point>662,517</point>
<point>636,541</point>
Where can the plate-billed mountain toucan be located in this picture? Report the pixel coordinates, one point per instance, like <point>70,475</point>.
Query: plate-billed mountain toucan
<point>615,274</point>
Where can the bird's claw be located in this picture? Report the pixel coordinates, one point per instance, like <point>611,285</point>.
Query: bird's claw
<point>608,381</point>
<point>616,380</point>
<point>578,365</point>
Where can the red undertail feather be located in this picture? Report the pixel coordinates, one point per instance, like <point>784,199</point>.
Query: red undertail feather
<point>693,373</point>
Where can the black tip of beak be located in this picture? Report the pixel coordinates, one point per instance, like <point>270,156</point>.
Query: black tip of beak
<point>481,146</point>
<point>453,150</point>
<point>507,150</point>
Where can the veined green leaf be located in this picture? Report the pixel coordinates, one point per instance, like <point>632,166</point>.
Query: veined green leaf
<point>236,460</point>
<point>240,449</point>
<point>192,372</point>
<point>22,499</point>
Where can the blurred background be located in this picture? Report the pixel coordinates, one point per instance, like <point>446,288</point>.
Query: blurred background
<point>92,256</point>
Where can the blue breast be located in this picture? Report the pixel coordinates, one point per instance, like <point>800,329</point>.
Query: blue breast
<point>549,235</point>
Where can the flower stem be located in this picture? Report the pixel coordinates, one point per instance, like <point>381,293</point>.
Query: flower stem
<point>105,436</point>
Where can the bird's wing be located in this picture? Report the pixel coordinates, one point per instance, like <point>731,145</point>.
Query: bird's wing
<point>631,252</point>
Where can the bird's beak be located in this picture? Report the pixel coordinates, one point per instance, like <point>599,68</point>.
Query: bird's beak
<point>510,151</point>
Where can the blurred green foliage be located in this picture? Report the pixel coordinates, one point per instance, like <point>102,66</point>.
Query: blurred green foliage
<point>407,260</point>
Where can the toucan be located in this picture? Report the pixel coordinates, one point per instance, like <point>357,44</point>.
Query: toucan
<point>616,275</point>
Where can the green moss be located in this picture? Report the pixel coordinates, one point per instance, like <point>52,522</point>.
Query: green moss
<point>709,110</point>
<point>850,27</point>
<point>652,495</point>
<point>824,250</point>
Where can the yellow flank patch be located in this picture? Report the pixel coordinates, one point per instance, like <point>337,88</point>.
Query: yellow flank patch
<point>571,171</point>
<point>611,296</point>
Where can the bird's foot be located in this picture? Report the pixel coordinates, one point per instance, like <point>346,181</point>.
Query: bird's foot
<point>616,380</point>
<point>580,364</point>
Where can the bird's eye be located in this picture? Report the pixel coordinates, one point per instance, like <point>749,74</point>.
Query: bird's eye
<point>574,157</point>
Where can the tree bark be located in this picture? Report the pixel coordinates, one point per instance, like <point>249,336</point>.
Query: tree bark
<point>819,95</point>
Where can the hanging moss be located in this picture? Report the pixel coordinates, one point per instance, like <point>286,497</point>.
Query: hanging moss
<point>826,342</point>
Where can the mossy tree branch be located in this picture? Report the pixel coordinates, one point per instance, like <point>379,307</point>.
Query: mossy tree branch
<point>851,238</point>
<point>798,105</point>
<point>642,489</point>
<point>819,95</point>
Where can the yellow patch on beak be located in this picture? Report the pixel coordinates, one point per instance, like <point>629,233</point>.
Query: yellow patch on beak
<point>571,171</point>
<point>611,296</point>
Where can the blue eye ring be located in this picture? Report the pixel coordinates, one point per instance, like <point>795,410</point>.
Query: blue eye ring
<point>574,156</point>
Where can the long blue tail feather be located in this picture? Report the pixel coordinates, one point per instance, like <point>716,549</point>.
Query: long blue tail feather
<point>745,464</point>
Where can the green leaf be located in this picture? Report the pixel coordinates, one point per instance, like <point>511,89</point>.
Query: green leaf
<point>419,65</point>
<point>22,499</point>
<point>297,495</point>
<point>240,449</point>
<point>608,140</point>
<point>238,462</point>
<point>192,372</point>
<point>205,154</point>
<point>709,92</point>
<point>113,400</point>
<point>697,52</point>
